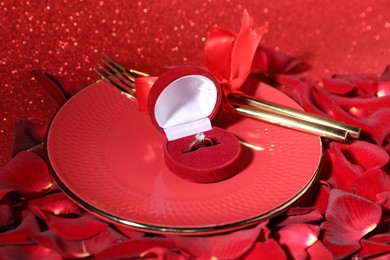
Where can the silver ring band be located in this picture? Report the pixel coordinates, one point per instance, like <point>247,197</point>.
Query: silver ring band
<point>200,141</point>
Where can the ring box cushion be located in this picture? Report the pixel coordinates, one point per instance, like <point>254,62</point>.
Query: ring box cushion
<point>182,103</point>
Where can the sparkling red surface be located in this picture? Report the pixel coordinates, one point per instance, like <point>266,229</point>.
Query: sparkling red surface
<point>67,38</point>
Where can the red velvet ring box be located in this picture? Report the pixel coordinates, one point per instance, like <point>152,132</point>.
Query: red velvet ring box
<point>181,104</point>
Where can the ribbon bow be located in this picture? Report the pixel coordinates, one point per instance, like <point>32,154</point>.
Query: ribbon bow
<point>229,56</point>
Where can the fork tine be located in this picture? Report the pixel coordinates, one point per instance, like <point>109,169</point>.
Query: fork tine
<point>131,78</point>
<point>132,72</point>
<point>112,82</point>
<point>113,75</point>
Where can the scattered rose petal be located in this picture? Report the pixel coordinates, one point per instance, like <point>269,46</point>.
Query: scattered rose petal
<point>269,249</point>
<point>369,114</point>
<point>364,154</point>
<point>56,203</point>
<point>78,248</point>
<point>375,186</point>
<point>58,88</point>
<point>269,62</point>
<point>20,235</point>
<point>299,215</point>
<point>296,238</point>
<point>26,174</point>
<point>317,197</point>
<point>362,107</point>
<point>27,135</point>
<point>384,83</point>
<point>135,248</point>
<point>227,246</point>
<point>67,85</point>
<point>319,251</point>
<point>6,212</point>
<point>288,83</point>
<point>312,99</point>
<point>348,218</point>
<point>162,253</point>
<point>338,85</point>
<point>362,85</point>
<point>77,228</point>
<point>129,232</point>
<point>373,249</point>
<point>340,173</point>
<point>381,238</point>
<point>31,252</point>
<point>51,87</point>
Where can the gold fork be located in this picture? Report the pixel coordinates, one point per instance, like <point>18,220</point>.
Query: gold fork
<point>118,76</point>
<point>124,79</point>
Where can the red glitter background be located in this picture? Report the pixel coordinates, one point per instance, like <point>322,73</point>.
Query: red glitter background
<point>68,38</point>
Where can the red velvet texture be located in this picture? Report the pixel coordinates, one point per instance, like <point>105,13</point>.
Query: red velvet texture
<point>207,164</point>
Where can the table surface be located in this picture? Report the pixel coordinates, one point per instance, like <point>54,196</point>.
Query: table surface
<point>68,38</point>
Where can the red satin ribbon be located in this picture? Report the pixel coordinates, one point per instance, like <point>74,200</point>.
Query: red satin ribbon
<point>229,56</point>
<point>142,87</point>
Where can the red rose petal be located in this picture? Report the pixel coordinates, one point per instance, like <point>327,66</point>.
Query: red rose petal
<point>362,107</point>
<point>26,174</point>
<point>383,199</point>
<point>162,253</point>
<point>270,62</point>
<point>319,251</point>
<point>317,197</point>
<point>384,83</point>
<point>296,238</point>
<point>340,172</point>
<point>135,248</point>
<point>79,248</point>
<point>299,215</point>
<point>56,203</point>
<point>348,218</point>
<point>269,249</point>
<point>76,228</point>
<point>363,85</point>
<point>313,99</point>
<point>338,85</point>
<point>31,252</point>
<point>20,235</point>
<point>373,249</point>
<point>375,186</point>
<point>288,83</point>
<point>68,86</point>
<point>129,232</point>
<point>6,212</point>
<point>381,238</point>
<point>364,154</point>
<point>227,246</point>
<point>51,87</point>
<point>371,115</point>
<point>27,135</point>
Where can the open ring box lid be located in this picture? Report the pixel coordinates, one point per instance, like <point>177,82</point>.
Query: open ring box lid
<point>182,103</point>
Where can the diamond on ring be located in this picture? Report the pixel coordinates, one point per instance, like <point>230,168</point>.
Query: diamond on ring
<point>200,141</point>
<point>200,137</point>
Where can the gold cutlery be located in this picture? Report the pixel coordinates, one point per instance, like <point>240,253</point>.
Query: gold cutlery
<point>124,79</point>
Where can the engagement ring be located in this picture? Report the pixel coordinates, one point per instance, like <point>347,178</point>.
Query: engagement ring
<point>200,141</point>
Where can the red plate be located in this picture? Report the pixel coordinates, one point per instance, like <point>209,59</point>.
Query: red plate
<point>107,156</point>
